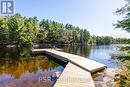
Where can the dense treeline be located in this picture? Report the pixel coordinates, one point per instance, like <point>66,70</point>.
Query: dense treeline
<point>99,40</point>
<point>54,32</point>
<point>20,30</point>
<point>104,40</point>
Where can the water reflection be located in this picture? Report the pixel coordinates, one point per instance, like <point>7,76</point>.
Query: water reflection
<point>16,71</point>
<point>79,50</point>
<point>99,53</point>
<point>14,52</point>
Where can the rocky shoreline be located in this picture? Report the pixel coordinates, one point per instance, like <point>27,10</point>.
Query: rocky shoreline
<point>107,77</point>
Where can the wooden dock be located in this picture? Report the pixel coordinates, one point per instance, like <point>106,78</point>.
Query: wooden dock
<point>77,72</point>
<point>73,76</point>
<point>82,62</point>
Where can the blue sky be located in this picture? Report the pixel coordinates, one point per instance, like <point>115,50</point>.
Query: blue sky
<point>94,15</point>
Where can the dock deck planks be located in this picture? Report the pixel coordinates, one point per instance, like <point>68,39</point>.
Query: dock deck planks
<point>82,62</point>
<point>77,72</point>
<point>73,76</point>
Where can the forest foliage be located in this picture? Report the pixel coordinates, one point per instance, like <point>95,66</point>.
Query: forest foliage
<point>19,30</point>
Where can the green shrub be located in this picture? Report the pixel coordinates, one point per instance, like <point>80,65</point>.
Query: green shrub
<point>124,80</point>
<point>124,48</point>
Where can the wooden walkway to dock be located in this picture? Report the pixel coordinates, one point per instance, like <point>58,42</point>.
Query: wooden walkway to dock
<point>73,76</point>
<point>77,72</point>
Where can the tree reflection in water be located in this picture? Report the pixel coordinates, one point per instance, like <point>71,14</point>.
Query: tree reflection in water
<point>79,50</point>
<point>16,71</point>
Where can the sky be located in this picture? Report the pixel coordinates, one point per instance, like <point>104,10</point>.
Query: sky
<point>94,15</point>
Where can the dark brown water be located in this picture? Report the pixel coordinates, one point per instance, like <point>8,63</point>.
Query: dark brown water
<point>19,69</point>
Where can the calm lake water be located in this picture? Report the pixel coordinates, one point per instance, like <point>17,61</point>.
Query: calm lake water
<point>100,53</point>
<point>19,69</point>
